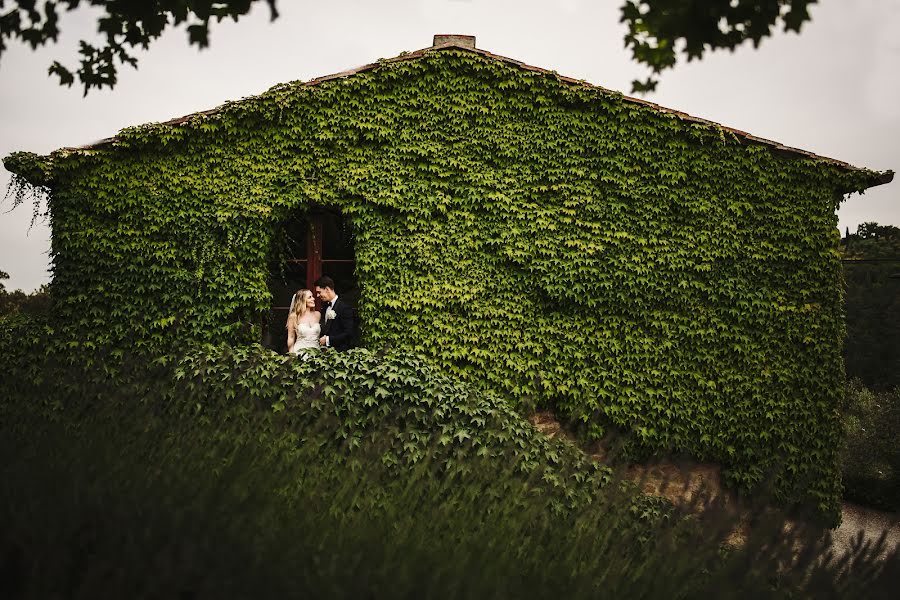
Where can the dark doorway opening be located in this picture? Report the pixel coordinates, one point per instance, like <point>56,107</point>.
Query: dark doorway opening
<point>315,244</point>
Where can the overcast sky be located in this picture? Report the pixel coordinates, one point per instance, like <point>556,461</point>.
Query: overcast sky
<point>833,90</point>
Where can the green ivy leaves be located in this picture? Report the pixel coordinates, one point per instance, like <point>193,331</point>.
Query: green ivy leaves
<point>549,242</point>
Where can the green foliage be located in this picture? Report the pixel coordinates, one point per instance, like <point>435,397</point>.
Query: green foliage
<point>872,276</point>
<point>872,240</point>
<point>871,458</point>
<point>122,505</point>
<point>31,168</point>
<point>553,243</point>
<point>871,230</point>
<point>23,362</point>
<point>30,182</point>
<point>12,302</point>
<point>391,404</point>
<point>341,463</point>
<point>125,25</point>
<point>659,29</point>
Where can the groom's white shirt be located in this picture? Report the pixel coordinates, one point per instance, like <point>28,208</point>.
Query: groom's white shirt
<point>329,306</point>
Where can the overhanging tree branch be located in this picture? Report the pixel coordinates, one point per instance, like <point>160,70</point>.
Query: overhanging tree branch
<point>659,29</point>
<point>125,25</point>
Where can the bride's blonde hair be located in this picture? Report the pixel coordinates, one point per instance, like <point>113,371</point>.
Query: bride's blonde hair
<point>300,308</point>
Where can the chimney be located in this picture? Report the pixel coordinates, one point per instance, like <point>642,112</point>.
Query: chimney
<point>452,39</point>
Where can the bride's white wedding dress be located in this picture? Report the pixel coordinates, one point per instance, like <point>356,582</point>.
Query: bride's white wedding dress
<point>307,337</point>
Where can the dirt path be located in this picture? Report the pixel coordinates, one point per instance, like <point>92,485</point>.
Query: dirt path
<point>871,522</point>
<point>682,482</point>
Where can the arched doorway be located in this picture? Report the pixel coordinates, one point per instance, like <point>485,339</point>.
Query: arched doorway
<point>318,243</point>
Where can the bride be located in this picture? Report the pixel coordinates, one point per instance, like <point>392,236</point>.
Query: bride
<point>303,322</point>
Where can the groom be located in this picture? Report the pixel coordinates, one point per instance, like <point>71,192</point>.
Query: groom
<point>337,317</point>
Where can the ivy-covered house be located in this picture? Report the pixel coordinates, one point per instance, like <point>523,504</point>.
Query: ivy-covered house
<point>631,266</point>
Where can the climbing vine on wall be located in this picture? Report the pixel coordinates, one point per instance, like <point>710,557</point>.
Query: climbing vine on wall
<point>550,241</point>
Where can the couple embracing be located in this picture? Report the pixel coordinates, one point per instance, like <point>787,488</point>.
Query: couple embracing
<point>333,327</point>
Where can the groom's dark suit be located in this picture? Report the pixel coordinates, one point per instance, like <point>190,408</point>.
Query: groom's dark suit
<point>340,330</point>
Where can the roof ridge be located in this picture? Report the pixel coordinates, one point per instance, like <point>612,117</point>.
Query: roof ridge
<point>455,44</point>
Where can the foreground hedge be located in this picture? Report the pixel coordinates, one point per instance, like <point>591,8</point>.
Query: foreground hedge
<point>412,410</point>
<point>122,507</point>
<point>391,404</point>
<point>348,475</point>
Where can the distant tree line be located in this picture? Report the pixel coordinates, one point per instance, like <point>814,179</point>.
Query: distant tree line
<point>18,301</point>
<point>872,278</point>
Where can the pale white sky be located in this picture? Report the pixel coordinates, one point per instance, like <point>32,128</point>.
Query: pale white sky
<point>833,90</point>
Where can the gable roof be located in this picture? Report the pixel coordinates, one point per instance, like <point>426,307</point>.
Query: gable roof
<point>467,44</point>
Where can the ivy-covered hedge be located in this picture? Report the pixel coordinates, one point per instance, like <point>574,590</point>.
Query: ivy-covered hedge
<point>207,490</point>
<point>357,408</point>
<point>549,241</point>
<point>392,404</point>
